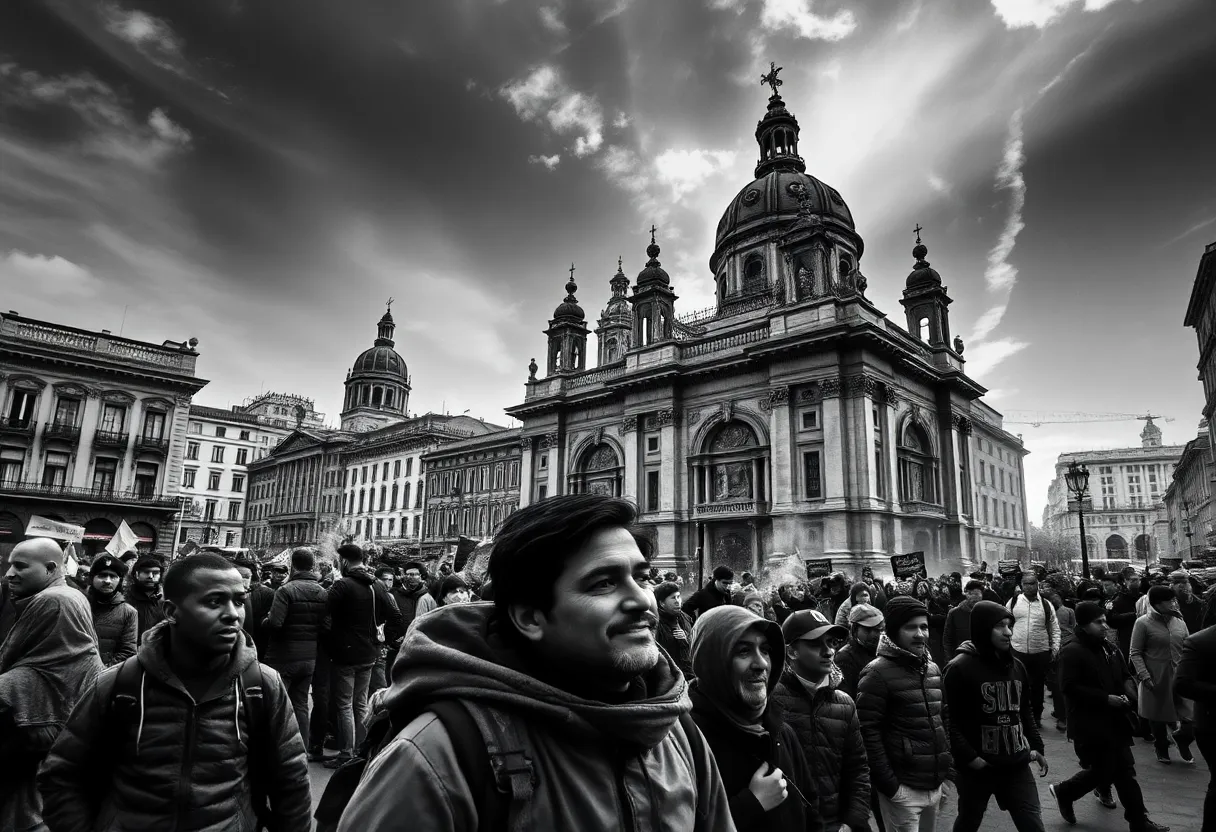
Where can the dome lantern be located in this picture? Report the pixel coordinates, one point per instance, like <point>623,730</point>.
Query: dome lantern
<point>567,333</point>
<point>777,132</point>
<point>378,383</point>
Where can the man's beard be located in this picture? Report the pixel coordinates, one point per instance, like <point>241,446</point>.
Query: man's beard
<point>631,663</point>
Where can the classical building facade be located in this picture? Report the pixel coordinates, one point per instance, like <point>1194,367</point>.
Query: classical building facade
<point>384,489</point>
<point>220,445</point>
<point>472,486</point>
<point>92,430</point>
<point>1201,314</point>
<point>296,490</point>
<point>1126,488</point>
<point>792,419</point>
<point>998,479</point>
<point>377,384</point>
<point>1188,501</point>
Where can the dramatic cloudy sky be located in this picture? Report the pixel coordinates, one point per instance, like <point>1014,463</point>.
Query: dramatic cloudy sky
<point>262,176</point>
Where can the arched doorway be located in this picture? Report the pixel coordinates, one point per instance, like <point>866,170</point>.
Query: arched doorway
<point>1116,548</point>
<point>97,533</point>
<point>146,535</point>
<point>599,471</point>
<point>729,491</point>
<point>733,468</point>
<point>1143,547</point>
<point>917,466</point>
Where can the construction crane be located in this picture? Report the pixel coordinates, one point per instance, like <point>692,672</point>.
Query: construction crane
<point>1038,419</point>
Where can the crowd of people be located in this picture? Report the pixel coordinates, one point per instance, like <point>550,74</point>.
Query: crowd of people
<point>576,687</point>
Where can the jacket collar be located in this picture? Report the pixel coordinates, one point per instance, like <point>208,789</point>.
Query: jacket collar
<point>891,650</point>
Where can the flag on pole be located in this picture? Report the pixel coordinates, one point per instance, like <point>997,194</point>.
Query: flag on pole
<point>123,541</point>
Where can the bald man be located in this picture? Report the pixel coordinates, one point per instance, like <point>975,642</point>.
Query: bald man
<point>47,657</point>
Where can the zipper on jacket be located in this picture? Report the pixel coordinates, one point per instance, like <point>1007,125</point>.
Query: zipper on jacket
<point>183,783</point>
<point>622,796</point>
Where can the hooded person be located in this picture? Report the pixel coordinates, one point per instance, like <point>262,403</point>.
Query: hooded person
<point>675,628</point>
<point>825,720</point>
<point>993,735</point>
<point>115,621</point>
<point>48,657</point>
<point>563,671</point>
<point>859,593</point>
<point>738,658</point>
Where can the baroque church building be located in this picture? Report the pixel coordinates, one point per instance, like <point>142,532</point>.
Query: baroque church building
<point>792,419</point>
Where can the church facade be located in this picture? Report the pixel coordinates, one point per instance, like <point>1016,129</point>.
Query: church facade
<point>792,419</point>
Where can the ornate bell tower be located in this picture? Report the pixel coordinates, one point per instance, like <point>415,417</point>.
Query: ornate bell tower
<point>654,303</point>
<point>615,330</point>
<point>567,334</point>
<point>926,303</point>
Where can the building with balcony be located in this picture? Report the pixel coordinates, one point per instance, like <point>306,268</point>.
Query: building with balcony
<point>384,490</point>
<point>999,498</point>
<point>1201,314</point>
<point>296,490</point>
<point>792,419</point>
<point>220,445</point>
<point>92,430</point>
<point>472,486</point>
<point>1188,501</point>
<point>1126,489</point>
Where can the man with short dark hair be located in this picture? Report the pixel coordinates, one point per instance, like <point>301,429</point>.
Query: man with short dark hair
<point>865,629</point>
<point>293,627</point>
<point>258,600</point>
<point>825,720</point>
<point>1096,684</point>
<point>145,595</point>
<point>675,627</point>
<point>714,594</point>
<point>187,754</point>
<point>563,668</point>
<point>47,657</point>
<point>356,607</point>
<point>115,621</point>
<point>1189,607</point>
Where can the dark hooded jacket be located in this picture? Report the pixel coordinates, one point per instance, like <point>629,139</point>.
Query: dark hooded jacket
<point>257,606</point>
<point>1091,669</point>
<point>739,746</point>
<point>829,732</point>
<point>185,764</point>
<point>117,625</point>
<point>147,606</point>
<point>851,660</point>
<point>411,604</point>
<point>1121,615</point>
<point>705,598</point>
<point>903,721</point>
<point>294,622</point>
<point>356,604</point>
<point>1196,677</point>
<point>597,765</point>
<point>957,629</point>
<point>989,695</point>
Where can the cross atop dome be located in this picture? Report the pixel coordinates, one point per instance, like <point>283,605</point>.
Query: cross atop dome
<point>771,78</point>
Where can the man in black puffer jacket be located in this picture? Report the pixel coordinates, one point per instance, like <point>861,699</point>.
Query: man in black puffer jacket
<point>713,594</point>
<point>825,720</point>
<point>115,621</point>
<point>293,627</point>
<point>903,719</point>
<point>737,658</point>
<point>356,606</point>
<point>993,734</point>
<point>145,594</point>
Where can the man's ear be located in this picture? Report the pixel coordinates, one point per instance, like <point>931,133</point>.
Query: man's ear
<point>170,610</point>
<point>529,621</point>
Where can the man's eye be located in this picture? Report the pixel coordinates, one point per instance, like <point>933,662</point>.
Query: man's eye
<point>602,583</point>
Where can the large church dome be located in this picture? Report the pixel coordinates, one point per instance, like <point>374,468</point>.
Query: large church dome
<point>380,359</point>
<point>776,197</point>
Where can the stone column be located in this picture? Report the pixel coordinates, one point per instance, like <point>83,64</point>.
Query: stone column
<point>126,462</point>
<point>832,411</point>
<point>550,443</point>
<point>525,471</point>
<point>46,410</point>
<point>780,449</point>
<point>667,460</point>
<point>629,439</point>
<point>84,448</point>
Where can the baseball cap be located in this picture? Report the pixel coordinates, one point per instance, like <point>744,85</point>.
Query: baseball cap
<point>865,615</point>
<point>810,625</point>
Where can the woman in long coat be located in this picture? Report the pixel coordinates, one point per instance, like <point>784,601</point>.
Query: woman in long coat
<point>1156,649</point>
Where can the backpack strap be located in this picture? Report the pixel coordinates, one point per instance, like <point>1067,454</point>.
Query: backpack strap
<point>514,776</point>
<point>122,706</point>
<point>695,741</point>
<point>253,697</point>
<point>474,761</point>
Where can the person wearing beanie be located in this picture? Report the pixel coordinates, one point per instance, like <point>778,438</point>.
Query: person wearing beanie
<point>902,710</point>
<point>145,593</point>
<point>1156,649</point>
<point>453,590</point>
<point>993,735</point>
<point>859,593</point>
<point>825,720</point>
<point>714,594</point>
<point>958,620</point>
<point>1099,693</point>
<point>115,621</point>
<point>1189,606</point>
<point>675,627</point>
<point>737,658</point>
<point>865,627</point>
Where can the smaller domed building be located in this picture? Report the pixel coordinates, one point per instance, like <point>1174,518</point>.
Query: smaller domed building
<point>378,384</point>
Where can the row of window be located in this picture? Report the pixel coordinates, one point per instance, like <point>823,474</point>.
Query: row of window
<point>483,478</point>
<point>353,474</point>
<point>214,480</point>
<point>218,453</point>
<point>57,472</point>
<point>69,409</point>
<point>221,432</point>
<point>997,479</point>
<point>387,527</point>
<point>475,521</point>
<point>1004,515</point>
<point>388,499</point>
<point>211,510</point>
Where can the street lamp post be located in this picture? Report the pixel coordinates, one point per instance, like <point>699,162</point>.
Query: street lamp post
<point>1077,479</point>
<point>1190,545</point>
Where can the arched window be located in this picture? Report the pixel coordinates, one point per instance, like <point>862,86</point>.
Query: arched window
<point>846,267</point>
<point>1116,547</point>
<point>405,500</point>
<point>753,274</point>
<point>393,505</point>
<point>599,471</point>
<point>362,496</point>
<point>377,396</point>
<point>1142,546</point>
<point>917,467</point>
<point>922,330</point>
<point>610,350</point>
<point>388,397</point>
<point>730,468</point>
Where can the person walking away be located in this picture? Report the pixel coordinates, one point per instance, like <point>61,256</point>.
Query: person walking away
<point>737,657</point>
<point>993,735</point>
<point>865,628</point>
<point>859,593</point>
<point>293,628</point>
<point>1121,608</point>
<point>562,671</point>
<point>1189,606</point>
<point>1196,680</point>
<point>675,628</point>
<point>1036,639</point>
<point>1098,689</point>
<point>115,622</point>
<point>825,720</point>
<point>902,711</point>
<point>1156,650</point>
<point>958,620</point>
<point>48,656</point>
<point>356,607</point>
<point>192,733</point>
<point>387,578</point>
<point>258,600</point>
<point>145,595</point>
<point>1068,626</point>
<point>713,594</point>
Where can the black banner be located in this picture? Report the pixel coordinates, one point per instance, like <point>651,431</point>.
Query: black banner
<point>1009,568</point>
<point>911,565</point>
<point>818,567</point>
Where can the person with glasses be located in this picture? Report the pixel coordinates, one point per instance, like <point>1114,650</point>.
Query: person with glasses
<point>737,658</point>
<point>825,720</point>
